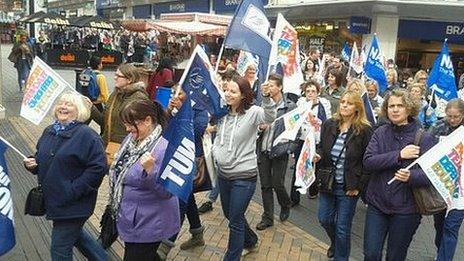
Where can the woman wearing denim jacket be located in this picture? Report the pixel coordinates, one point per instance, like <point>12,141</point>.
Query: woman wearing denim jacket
<point>234,150</point>
<point>391,208</point>
<point>350,128</point>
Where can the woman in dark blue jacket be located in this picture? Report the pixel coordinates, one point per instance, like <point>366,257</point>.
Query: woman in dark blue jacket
<point>70,163</point>
<point>391,208</point>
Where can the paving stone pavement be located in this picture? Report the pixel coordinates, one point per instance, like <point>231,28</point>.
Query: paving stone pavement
<point>302,234</point>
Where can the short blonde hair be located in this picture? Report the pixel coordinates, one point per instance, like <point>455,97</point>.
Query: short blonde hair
<point>83,110</point>
<point>356,83</point>
<point>394,73</point>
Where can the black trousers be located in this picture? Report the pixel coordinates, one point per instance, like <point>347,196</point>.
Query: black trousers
<point>272,178</point>
<point>141,251</point>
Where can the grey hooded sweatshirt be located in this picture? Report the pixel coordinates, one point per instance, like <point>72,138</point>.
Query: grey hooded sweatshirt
<point>234,148</point>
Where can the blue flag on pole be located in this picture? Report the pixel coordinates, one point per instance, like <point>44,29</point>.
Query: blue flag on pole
<point>368,108</point>
<point>346,52</point>
<point>249,31</point>
<point>374,67</point>
<point>178,167</point>
<point>441,77</point>
<point>7,233</point>
<point>203,90</point>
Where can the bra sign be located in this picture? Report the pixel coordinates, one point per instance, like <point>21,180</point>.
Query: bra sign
<point>455,29</point>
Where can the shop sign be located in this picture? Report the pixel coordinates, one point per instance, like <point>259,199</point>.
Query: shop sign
<point>228,6</point>
<point>433,31</point>
<point>360,25</point>
<point>57,21</point>
<point>201,6</point>
<point>67,58</point>
<point>317,43</point>
<point>103,25</point>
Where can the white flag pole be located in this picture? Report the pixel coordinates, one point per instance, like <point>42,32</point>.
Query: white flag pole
<point>407,168</point>
<point>13,147</point>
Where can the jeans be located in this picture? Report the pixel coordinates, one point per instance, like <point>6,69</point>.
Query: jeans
<point>336,211</point>
<point>447,232</point>
<point>235,198</point>
<point>400,229</point>
<point>69,233</point>
<point>23,68</point>
<point>272,177</point>
<point>190,210</point>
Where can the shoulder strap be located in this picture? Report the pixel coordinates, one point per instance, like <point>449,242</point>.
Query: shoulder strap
<point>418,137</point>
<point>343,149</point>
<point>110,114</point>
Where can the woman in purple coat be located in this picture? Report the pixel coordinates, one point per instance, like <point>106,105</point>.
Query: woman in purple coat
<point>146,212</point>
<point>391,208</point>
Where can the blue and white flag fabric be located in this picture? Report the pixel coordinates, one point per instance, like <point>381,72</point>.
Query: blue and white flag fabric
<point>244,60</point>
<point>7,233</point>
<point>441,78</point>
<point>356,61</point>
<point>369,110</point>
<point>249,31</point>
<point>203,90</point>
<point>346,52</point>
<point>374,68</point>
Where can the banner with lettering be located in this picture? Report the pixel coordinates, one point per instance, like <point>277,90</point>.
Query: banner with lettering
<point>286,52</point>
<point>7,232</point>
<point>443,166</point>
<point>305,175</point>
<point>293,121</point>
<point>43,86</point>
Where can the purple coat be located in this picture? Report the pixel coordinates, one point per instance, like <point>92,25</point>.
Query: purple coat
<point>382,159</point>
<point>148,212</point>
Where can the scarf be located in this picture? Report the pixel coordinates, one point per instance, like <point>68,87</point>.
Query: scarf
<point>60,127</point>
<point>126,157</point>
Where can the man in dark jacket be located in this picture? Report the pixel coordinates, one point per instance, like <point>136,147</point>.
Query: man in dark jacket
<point>22,55</point>
<point>272,160</point>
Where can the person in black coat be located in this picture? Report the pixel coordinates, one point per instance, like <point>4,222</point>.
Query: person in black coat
<point>344,139</point>
<point>70,163</point>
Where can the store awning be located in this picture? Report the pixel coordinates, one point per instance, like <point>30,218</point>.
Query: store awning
<point>137,25</point>
<point>192,28</point>
<point>96,22</point>
<point>183,23</point>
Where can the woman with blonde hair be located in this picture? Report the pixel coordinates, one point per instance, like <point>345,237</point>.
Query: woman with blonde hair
<point>70,164</point>
<point>339,173</point>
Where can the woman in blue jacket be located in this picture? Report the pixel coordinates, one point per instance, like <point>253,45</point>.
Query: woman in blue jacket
<point>391,208</point>
<point>70,163</point>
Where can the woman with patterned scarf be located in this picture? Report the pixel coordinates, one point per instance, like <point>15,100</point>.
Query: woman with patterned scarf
<point>145,212</point>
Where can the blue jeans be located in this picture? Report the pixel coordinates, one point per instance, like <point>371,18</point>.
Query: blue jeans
<point>400,229</point>
<point>69,233</point>
<point>447,232</point>
<point>336,211</point>
<point>22,66</point>
<point>235,198</point>
<point>190,210</point>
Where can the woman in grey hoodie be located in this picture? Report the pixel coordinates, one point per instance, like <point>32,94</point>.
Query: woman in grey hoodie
<point>235,153</point>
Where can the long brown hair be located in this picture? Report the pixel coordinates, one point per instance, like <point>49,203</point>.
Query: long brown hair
<point>360,121</point>
<point>140,109</point>
<point>247,93</point>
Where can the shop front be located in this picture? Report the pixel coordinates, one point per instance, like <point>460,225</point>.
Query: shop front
<point>200,6</point>
<point>419,43</point>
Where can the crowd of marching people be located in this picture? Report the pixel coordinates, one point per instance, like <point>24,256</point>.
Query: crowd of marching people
<point>357,154</point>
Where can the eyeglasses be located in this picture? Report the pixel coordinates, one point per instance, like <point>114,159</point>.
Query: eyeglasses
<point>120,76</point>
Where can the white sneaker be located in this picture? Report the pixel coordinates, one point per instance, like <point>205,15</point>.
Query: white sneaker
<point>249,250</point>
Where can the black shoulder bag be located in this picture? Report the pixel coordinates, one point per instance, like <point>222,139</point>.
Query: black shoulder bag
<point>325,176</point>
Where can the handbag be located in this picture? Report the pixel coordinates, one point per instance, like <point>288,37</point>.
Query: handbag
<point>325,176</point>
<point>35,202</point>
<point>108,231</point>
<point>111,150</point>
<point>427,199</point>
